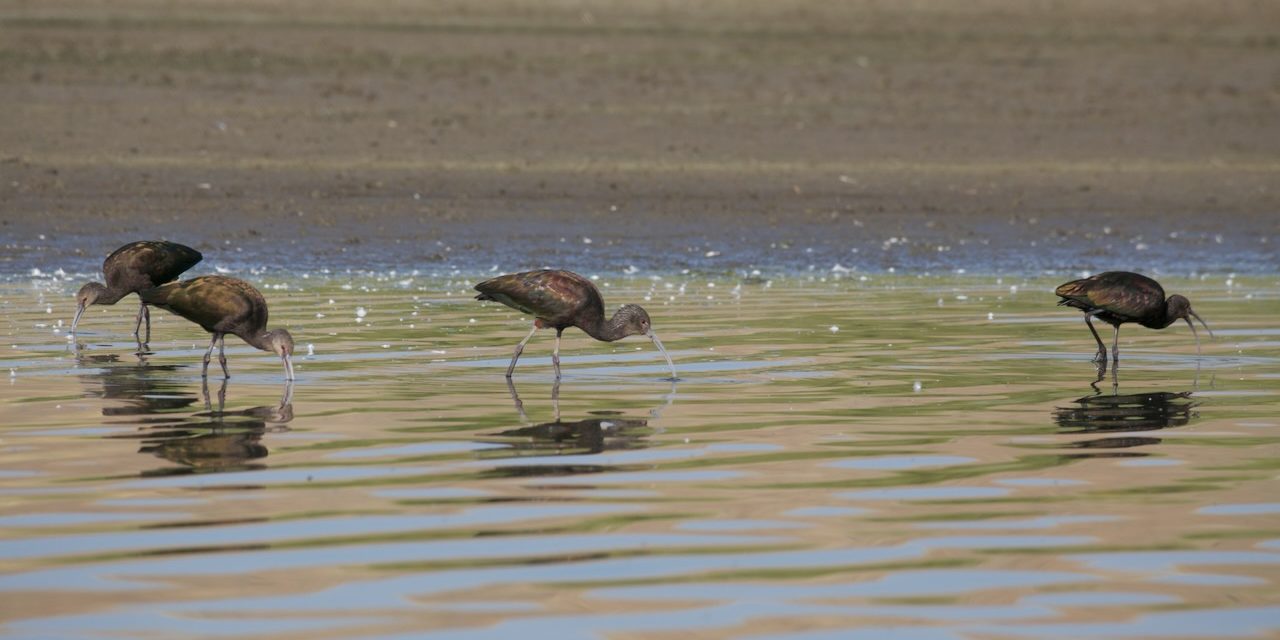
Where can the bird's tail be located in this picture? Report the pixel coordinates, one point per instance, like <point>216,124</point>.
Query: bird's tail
<point>484,296</point>
<point>1073,289</point>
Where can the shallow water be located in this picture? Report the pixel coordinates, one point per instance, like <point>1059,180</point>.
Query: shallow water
<point>841,457</point>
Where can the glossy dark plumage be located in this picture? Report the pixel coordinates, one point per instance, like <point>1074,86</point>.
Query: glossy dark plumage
<point>223,305</point>
<point>561,299</point>
<point>133,268</point>
<point>1117,297</point>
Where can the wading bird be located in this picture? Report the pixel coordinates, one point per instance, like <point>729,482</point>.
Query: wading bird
<point>563,299</point>
<point>224,305</point>
<point>133,268</point>
<point>1117,297</point>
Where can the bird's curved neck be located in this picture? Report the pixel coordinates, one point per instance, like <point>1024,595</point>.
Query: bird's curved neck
<point>260,340</point>
<point>614,328</point>
<point>111,295</point>
<point>1168,316</point>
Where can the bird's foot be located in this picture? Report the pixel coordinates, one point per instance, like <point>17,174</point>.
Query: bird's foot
<point>1100,358</point>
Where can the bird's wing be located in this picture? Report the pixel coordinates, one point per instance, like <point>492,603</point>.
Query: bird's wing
<point>156,259</point>
<point>213,302</point>
<point>543,294</point>
<point>1121,293</point>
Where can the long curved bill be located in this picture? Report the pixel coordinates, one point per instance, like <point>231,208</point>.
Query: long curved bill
<point>76,321</point>
<point>288,367</point>
<point>1197,317</point>
<point>658,343</point>
<point>1193,329</point>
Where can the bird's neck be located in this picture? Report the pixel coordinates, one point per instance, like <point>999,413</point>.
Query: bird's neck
<point>259,340</point>
<point>111,296</point>
<point>1169,318</point>
<point>614,328</point>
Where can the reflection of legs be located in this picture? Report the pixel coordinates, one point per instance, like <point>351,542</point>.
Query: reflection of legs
<point>222,397</point>
<point>1102,349</point>
<point>204,373</point>
<point>515,398</point>
<point>555,399</point>
<point>520,349</point>
<point>555,355</point>
<point>222,355</point>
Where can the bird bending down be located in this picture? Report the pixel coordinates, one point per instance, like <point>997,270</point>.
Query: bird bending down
<point>1117,297</point>
<point>224,305</point>
<point>133,268</point>
<point>562,299</point>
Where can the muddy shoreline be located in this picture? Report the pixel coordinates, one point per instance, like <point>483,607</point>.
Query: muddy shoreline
<point>995,137</point>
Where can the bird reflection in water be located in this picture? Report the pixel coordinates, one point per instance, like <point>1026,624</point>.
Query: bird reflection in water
<point>1102,414</point>
<point>136,386</point>
<point>157,401</point>
<point>216,439</point>
<point>602,431</point>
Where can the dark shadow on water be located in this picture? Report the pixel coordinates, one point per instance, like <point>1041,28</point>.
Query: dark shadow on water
<point>211,440</point>
<point>1113,414</point>
<point>601,431</point>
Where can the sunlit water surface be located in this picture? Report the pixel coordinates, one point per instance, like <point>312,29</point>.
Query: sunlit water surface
<point>842,457</point>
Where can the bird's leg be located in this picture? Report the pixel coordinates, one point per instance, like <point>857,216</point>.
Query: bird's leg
<point>1102,349</point>
<point>146,316</point>
<point>204,372</point>
<point>222,355</point>
<point>555,355</point>
<point>520,349</point>
<point>1115,348</point>
<point>137,322</point>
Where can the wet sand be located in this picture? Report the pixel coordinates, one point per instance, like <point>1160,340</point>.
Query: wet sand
<point>987,136</point>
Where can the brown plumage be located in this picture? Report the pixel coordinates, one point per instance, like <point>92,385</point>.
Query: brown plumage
<point>562,299</point>
<point>1117,297</point>
<point>224,305</point>
<point>133,268</point>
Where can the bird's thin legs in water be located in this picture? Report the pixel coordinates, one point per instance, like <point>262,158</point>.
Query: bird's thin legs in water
<point>1102,349</point>
<point>1102,374</point>
<point>144,340</point>
<point>222,355</point>
<point>520,349</point>
<point>137,322</point>
<point>1115,348</point>
<point>208,355</point>
<point>555,356</point>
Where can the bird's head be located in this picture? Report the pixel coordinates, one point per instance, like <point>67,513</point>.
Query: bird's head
<point>1179,308</point>
<point>635,320</point>
<point>87,295</point>
<point>281,344</point>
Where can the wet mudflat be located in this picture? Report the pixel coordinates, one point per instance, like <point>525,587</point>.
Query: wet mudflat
<point>843,455</point>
